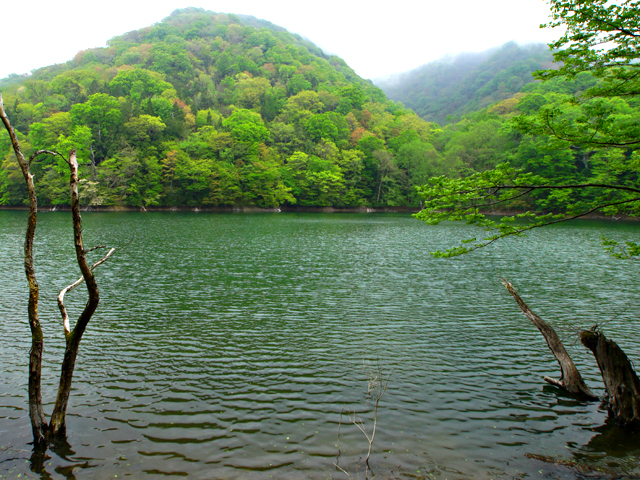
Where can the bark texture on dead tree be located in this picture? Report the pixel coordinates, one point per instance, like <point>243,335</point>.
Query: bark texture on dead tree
<point>620,380</point>
<point>57,427</point>
<point>73,337</point>
<point>38,423</point>
<point>570,380</point>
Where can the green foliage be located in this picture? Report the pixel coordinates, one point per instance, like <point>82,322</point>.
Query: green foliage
<point>138,84</point>
<point>588,122</point>
<point>576,141</point>
<point>246,126</point>
<point>144,129</point>
<point>314,180</point>
<point>328,126</point>
<point>101,114</point>
<point>600,43</point>
<point>622,251</point>
<point>601,37</point>
<point>208,109</point>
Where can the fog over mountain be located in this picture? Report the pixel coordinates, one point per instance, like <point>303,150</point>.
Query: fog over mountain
<point>455,85</point>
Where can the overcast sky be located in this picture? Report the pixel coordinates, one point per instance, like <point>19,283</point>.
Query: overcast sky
<point>375,39</point>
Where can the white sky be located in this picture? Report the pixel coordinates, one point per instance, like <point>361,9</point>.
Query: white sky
<point>375,39</point>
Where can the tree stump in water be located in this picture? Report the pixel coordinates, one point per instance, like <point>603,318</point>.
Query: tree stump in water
<point>620,380</point>
<point>570,380</point>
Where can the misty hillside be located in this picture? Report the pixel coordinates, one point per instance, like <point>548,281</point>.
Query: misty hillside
<point>208,109</point>
<point>467,82</point>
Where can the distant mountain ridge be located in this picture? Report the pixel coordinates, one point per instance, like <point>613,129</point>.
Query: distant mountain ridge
<point>455,86</point>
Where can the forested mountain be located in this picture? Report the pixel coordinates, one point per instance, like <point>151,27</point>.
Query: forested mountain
<point>215,110</point>
<point>208,109</point>
<point>444,90</point>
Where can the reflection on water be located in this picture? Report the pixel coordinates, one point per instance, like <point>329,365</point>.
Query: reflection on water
<point>226,346</point>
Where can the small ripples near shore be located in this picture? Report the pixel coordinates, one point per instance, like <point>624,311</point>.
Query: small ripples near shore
<point>226,346</point>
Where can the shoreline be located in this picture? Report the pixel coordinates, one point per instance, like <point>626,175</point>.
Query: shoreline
<point>282,209</point>
<point>242,209</point>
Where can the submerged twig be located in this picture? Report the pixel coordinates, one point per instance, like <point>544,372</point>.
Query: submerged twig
<point>376,384</point>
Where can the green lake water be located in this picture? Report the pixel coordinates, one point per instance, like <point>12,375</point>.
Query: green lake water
<point>226,345</point>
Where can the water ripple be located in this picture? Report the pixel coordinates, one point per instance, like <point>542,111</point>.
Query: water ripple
<point>226,347</point>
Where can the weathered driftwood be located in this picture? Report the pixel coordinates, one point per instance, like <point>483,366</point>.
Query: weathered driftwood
<point>570,380</point>
<point>620,380</point>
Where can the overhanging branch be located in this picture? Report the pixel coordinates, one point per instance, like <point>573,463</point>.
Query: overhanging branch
<point>564,187</point>
<point>519,231</point>
<point>568,138</point>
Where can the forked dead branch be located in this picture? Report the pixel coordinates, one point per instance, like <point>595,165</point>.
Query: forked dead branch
<point>43,431</point>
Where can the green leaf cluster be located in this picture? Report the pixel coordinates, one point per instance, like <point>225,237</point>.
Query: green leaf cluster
<point>572,142</point>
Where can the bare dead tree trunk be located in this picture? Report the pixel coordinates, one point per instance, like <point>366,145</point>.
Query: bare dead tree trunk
<point>570,380</point>
<point>73,337</point>
<point>38,423</point>
<point>41,430</point>
<point>620,380</point>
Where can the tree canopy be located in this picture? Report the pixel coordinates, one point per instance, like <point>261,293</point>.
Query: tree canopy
<point>258,108</point>
<point>578,137</point>
<point>210,110</point>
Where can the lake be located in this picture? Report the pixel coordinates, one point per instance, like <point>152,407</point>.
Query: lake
<point>226,345</point>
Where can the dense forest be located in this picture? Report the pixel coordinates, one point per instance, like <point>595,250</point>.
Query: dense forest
<point>211,110</point>
<point>564,130</point>
<point>215,110</point>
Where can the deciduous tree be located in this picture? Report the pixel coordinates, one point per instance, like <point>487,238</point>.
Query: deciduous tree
<point>601,38</point>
